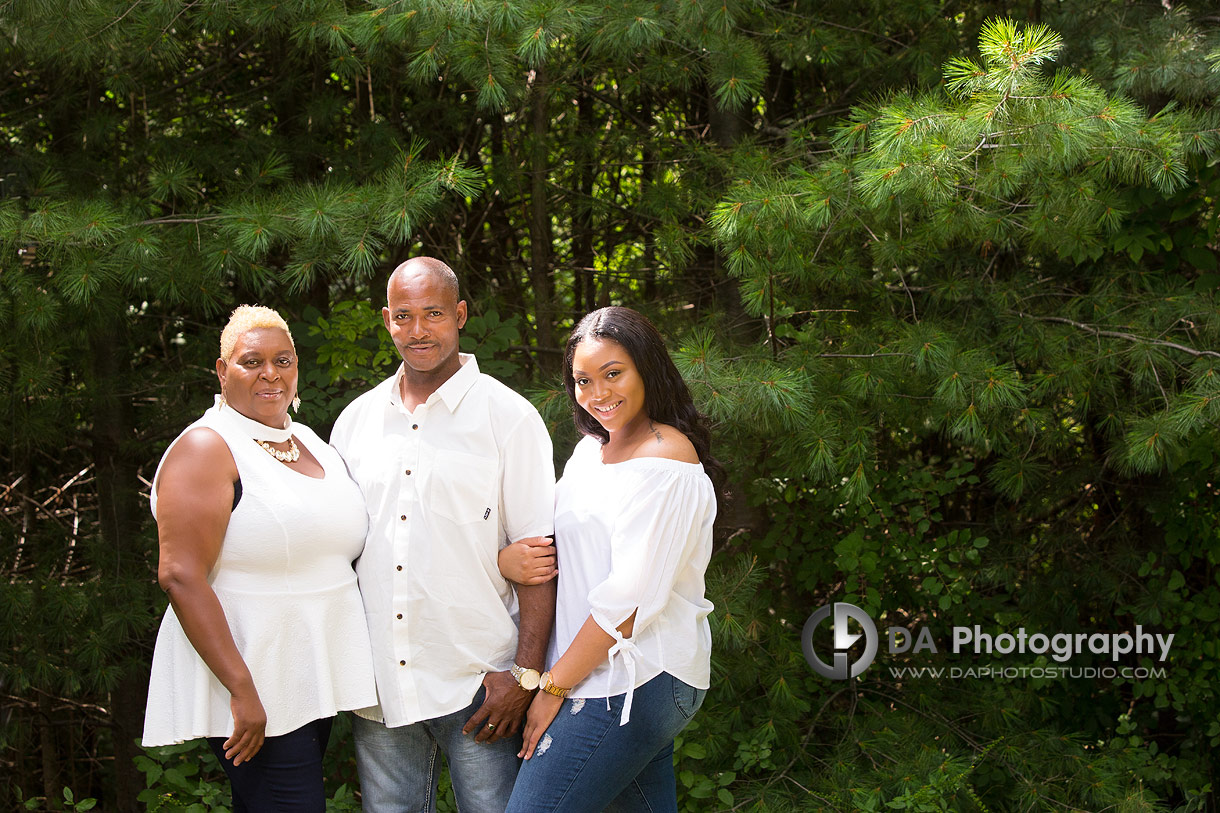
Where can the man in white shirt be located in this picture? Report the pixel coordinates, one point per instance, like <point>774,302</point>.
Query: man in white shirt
<point>453,466</point>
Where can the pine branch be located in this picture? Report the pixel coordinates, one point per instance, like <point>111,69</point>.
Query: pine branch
<point>161,221</point>
<point>1118,334</point>
<point>803,749</point>
<point>817,21</point>
<point>115,21</point>
<point>859,355</point>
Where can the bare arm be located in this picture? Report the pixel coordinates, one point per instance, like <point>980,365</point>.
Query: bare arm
<point>506,702</point>
<point>194,502</point>
<point>588,649</point>
<point>537,602</point>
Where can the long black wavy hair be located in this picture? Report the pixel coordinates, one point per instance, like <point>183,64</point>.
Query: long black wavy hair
<point>666,397</point>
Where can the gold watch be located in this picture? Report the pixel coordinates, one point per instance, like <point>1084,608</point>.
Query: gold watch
<point>547,685</point>
<point>527,679</point>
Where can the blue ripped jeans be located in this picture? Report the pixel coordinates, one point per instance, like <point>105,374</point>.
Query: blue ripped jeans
<point>587,762</point>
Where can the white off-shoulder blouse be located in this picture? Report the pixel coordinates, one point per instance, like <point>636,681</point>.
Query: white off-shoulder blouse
<point>634,536</point>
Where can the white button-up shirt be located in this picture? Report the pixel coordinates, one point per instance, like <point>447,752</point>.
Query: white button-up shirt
<point>446,486</point>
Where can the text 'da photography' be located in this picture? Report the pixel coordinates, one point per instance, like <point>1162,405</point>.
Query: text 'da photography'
<point>842,641</point>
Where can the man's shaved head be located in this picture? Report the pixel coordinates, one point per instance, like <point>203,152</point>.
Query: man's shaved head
<point>429,266</point>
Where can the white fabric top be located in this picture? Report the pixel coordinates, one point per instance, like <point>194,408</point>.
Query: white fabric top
<point>285,580</point>
<point>446,486</point>
<point>634,536</point>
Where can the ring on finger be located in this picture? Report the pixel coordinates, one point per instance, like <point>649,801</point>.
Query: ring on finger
<point>491,726</point>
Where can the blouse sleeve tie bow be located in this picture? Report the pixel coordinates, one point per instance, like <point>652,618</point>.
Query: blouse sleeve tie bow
<point>627,648</point>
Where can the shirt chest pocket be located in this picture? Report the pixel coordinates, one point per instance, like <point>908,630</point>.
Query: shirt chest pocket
<point>374,465</point>
<point>462,488</point>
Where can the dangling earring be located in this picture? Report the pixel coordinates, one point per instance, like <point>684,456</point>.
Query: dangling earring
<point>223,403</point>
<point>296,403</point>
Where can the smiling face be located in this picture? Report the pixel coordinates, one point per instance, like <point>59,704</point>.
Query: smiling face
<point>423,316</point>
<point>259,379</point>
<point>608,385</point>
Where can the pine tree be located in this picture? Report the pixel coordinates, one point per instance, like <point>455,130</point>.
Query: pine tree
<point>990,366</point>
<point>952,312</point>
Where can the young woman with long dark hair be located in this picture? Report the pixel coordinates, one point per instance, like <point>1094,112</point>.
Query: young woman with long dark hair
<point>630,657</point>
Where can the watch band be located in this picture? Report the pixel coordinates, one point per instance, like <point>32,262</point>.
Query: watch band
<point>527,679</point>
<point>548,685</point>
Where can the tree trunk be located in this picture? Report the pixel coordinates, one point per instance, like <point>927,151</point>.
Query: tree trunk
<point>113,436</point>
<point>540,225</point>
<point>725,125</point>
<point>585,284</point>
<point>501,260</point>
<point>127,715</point>
<point>46,744</point>
<point>648,159</point>
<point>717,291</point>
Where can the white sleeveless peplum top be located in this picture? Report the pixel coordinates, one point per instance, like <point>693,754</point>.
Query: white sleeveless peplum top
<point>285,580</point>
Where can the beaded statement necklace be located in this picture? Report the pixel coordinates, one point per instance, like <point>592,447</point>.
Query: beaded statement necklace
<point>291,456</point>
<point>262,434</point>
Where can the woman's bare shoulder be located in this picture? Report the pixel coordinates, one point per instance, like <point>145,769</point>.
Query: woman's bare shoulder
<point>667,442</point>
<point>200,452</point>
<point>200,441</point>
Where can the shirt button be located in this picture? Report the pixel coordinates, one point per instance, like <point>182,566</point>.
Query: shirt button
<point>400,616</point>
<point>403,517</point>
<point>400,567</point>
<point>414,426</point>
<point>402,663</point>
<point>408,472</point>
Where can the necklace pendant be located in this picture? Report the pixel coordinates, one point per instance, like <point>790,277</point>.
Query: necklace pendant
<point>291,456</point>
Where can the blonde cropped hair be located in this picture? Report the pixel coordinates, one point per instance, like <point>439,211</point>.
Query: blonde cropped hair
<point>249,317</point>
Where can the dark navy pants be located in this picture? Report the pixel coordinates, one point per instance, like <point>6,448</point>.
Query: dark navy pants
<point>285,776</point>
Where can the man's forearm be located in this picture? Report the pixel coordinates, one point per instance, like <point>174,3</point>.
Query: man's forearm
<point>537,605</point>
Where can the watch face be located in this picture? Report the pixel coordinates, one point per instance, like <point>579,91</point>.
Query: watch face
<point>529,679</point>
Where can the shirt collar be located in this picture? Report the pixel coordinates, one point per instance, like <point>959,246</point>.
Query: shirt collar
<point>451,392</point>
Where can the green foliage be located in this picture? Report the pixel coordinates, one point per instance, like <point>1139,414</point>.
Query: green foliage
<point>68,802</point>
<point>945,283</point>
<point>1180,590</point>
<point>489,338</point>
<point>893,741</point>
<point>184,777</point>
<point>1004,155</point>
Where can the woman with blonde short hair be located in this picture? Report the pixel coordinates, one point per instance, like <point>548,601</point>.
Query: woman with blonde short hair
<point>264,640</point>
